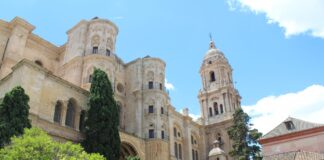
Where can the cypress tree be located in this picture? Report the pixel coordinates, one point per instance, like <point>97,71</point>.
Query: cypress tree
<point>14,111</point>
<point>245,139</point>
<point>102,119</point>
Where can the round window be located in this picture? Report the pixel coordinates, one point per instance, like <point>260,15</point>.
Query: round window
<point>120,88</point>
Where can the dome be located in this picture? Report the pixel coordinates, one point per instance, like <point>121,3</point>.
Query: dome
<point>213,52</point>
<point>216,151</point>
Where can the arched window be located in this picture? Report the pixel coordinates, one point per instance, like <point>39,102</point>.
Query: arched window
<point>212,76</point>
<point>90,78</point>
<point>82,118</point>
<point>58,112</point>
<point>38,62</point>
<point>216,108</point>
<point>210,112</point>
<point>221,108</point>
<point>219,139</point>
<point>70,113</point>
<point>107,52</point>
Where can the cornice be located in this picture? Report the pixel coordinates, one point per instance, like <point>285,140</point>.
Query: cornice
<point>44,42</point>
<point>21,22</point>
<point>155,59</point>
<point>292,135</point>
<point>77,25</point>
<point>49,74</point>
<point>4,24</point>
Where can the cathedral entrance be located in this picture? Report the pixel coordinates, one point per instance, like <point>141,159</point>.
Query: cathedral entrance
<point>126,150</point>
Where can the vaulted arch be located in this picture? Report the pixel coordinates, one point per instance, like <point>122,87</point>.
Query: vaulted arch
<point>71,113</point>
<point>126,150</point>
<point>58,112</point>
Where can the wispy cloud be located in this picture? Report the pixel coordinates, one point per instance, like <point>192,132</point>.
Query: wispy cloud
<point>307,104</point>
<point>168,85</point>
<point>295,17</point>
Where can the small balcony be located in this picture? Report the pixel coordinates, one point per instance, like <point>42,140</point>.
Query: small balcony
<point>155,137</point>
<point>148,112</point>
<point>155,86</point>
<point>104,52</point>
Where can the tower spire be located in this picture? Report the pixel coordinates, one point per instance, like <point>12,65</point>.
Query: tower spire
<point>211,43</point>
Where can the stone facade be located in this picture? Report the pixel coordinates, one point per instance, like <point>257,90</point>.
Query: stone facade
<point>58,79</point>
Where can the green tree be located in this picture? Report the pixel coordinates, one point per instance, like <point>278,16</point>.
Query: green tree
<point>35,144</point>
<point>102,119</point>
<point>14,111</point>
<point>245,144</point>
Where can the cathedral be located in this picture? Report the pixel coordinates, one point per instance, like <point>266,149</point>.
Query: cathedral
<point>58,78</point>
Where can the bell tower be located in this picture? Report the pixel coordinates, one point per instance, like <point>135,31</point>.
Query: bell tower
<point>218,98</point>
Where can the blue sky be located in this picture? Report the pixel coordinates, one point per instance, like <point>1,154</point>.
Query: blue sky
<point>274,51</point>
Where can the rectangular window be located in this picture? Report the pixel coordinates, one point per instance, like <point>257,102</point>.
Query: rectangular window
<point>151,133</point>
<point>176,149</point>
<point>210,112</point>
<point>192,141</point>
<point>221,109</point>
<point>95,50</point>
<point>175,132</point>
<point>180,151</point>
<point>162,134</point>
<point>151,109</point>
<point>161,86</point>
<point>162,110</point>
<point>193,155</point>
<point>150,85</point>
<point>196,155</point>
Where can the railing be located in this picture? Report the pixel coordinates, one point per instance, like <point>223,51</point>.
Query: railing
<point>147,112</point>
<point>164,114</point>
<point>154,112</point>
<point>155,86</point>
<point>216,85</point>
<point>165,138</point>
<point>100,52</point>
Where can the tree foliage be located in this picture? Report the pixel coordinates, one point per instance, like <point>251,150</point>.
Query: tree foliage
<point>14,111</point>
<point>102,120</point>
<point>35,144</point>
<point>245,144</point>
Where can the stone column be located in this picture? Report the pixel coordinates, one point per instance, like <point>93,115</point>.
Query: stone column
<point>77,119</point>
<point>63,114</point>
